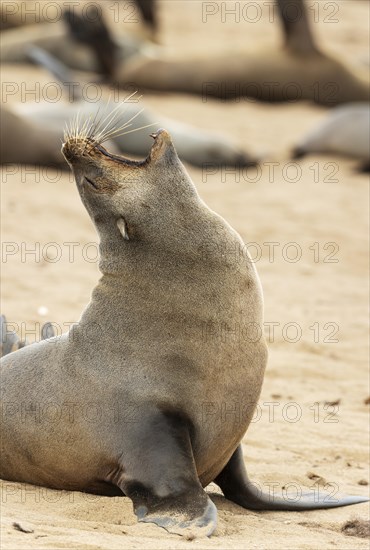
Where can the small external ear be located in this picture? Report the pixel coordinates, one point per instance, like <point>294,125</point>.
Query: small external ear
<point>121,224</point>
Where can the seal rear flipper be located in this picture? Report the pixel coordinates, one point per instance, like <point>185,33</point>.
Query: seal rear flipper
<point>161,478</point>
<point>298,35</point>
<point>234,482</point>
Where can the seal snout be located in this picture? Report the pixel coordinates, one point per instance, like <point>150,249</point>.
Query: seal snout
<point>73,149</point>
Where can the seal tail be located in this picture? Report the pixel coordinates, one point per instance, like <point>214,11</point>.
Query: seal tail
<point>57,69</point>
<point>257,500</point>
<point>236,486</point>
<point>298,35</point>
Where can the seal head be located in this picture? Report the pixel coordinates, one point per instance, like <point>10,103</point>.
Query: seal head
<point>123,196</point>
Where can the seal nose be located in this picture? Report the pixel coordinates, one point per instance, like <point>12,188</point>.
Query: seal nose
<point>73,149</point>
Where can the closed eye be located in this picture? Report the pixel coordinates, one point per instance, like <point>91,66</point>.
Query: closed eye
<point>90,182</point>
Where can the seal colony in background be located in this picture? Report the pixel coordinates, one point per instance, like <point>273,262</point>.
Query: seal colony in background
<point>138,354</point>
<point>344,131</point>
<point>31,132</point>
<point>298,70</point>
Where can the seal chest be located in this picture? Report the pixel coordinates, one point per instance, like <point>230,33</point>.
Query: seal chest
<point>176,277</point>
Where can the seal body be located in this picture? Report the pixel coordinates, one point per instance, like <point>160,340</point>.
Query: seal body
<point>345,131</point>
<point>285,74</point>
<point>151,392</point>
<point>55,39</point>
<point>23,141</point>
<point>158,340</point>
<point>297,70</point>
<point>32,133</point>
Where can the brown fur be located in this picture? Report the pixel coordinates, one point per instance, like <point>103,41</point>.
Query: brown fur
<point>140,344</point>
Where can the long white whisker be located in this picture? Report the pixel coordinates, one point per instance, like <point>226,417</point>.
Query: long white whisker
<point>113,132</point>
<point>94,124</point>
<point>104,114</point>
<point>102,126</point>
<point>130,131</point>
<point>81,133</point>
<point>110,118</point>
<point>125,125</point>
<point>109,113</point>
<point>77,124</point>
<point>109,121</point>
<point>140,128</point>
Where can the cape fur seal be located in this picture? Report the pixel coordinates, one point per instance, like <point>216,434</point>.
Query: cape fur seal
<point>91,29</point>
<point>80,38</point>
<point>299,70</point>
<point>25,12</point>
<point>56,39</point>
<point>25,141</point>
<point>344,131</point>
<point>137,354</point>
<point>31,132</point>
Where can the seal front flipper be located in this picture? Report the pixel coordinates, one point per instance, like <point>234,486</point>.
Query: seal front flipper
<point>9,340</point>
<point>298,35</point>
<point>91,29</point>
<point>234,482</point>
<point>189,513</point>
<point>161,478</point>
<point>47,331</point>
<point>60,71</point>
